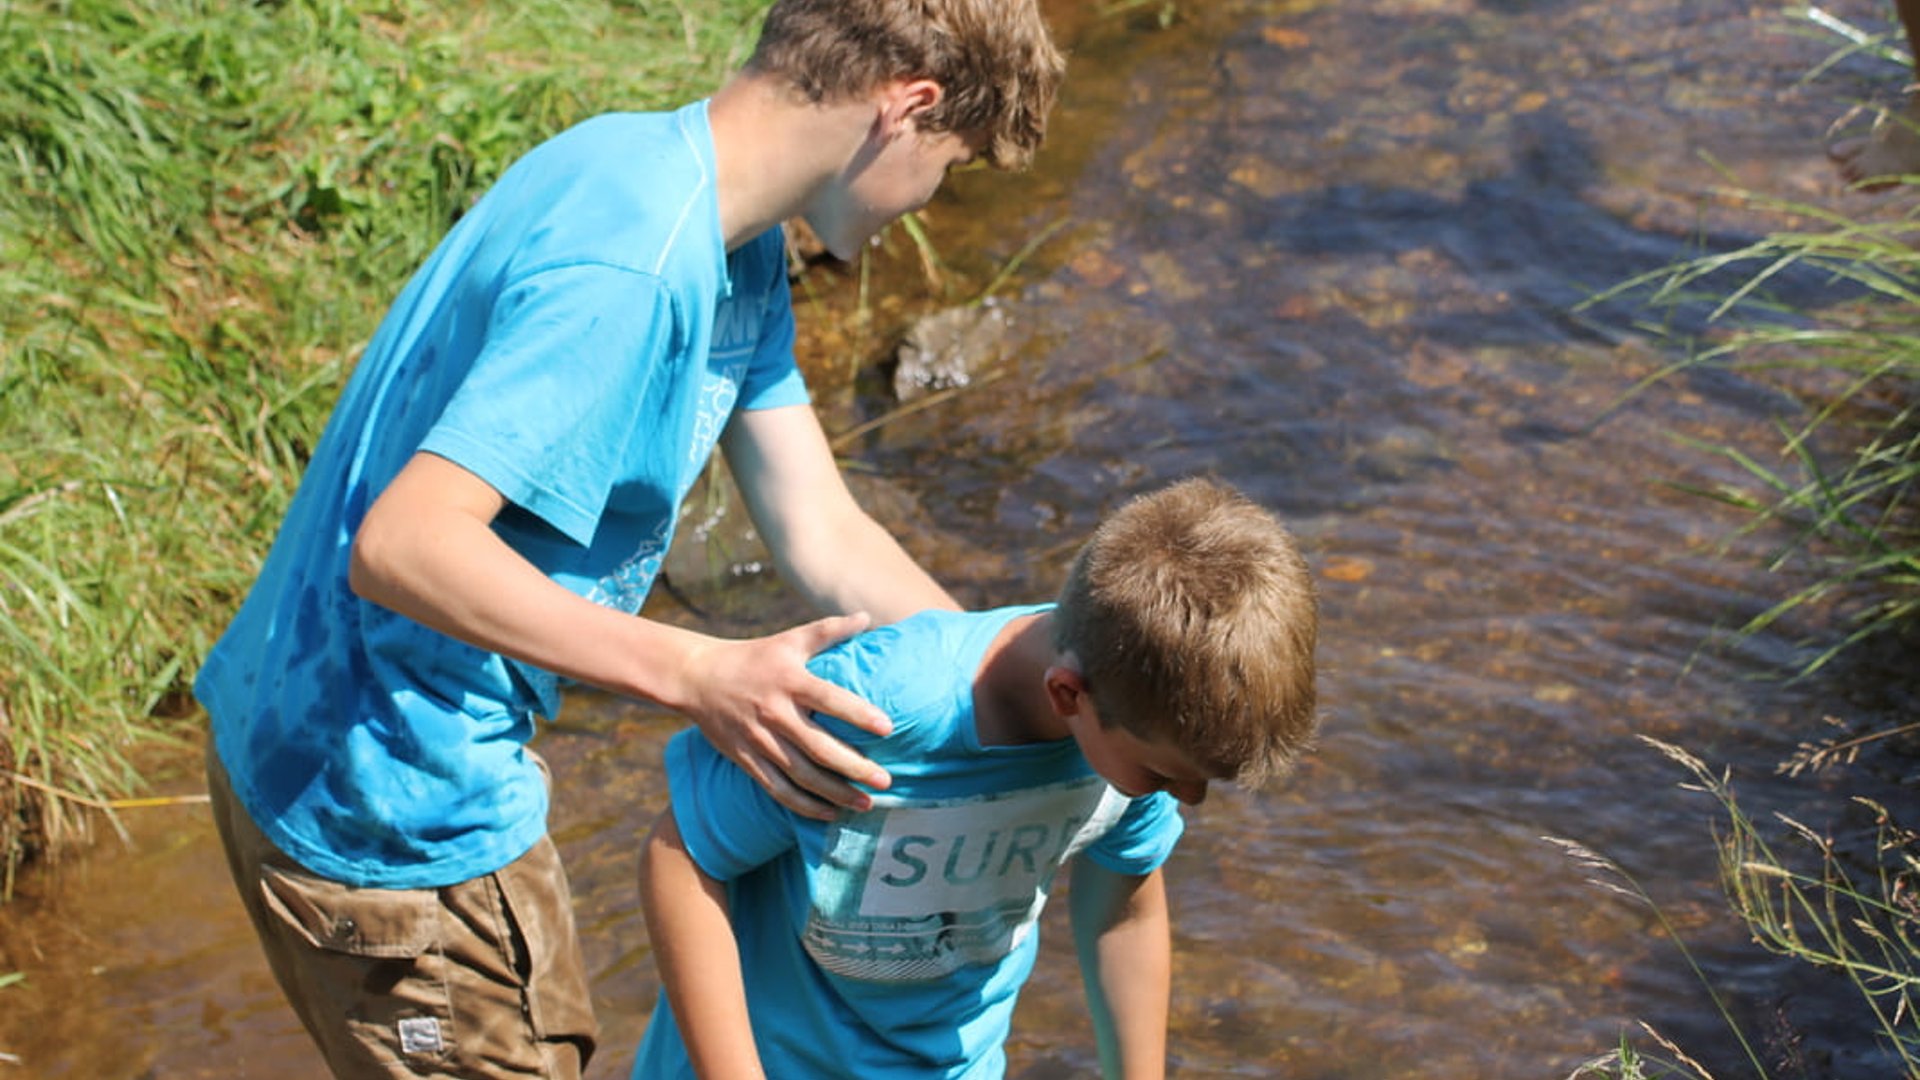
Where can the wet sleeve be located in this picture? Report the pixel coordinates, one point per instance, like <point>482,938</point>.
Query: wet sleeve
<point>555,398</point>
<point>1143,838</point>
<point>728,822</point>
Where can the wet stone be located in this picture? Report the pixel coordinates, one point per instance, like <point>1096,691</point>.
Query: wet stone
<point>948,348</point>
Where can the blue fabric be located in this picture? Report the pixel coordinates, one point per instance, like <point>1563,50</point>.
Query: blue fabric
<point>893,942</point>
<point>577,340</point>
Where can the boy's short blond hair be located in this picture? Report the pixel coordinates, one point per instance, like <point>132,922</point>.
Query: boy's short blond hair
<point>994,59</point>
<point>1193,619</point>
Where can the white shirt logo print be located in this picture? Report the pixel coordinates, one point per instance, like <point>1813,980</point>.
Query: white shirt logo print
<point>735,337</point>
<point>626,588</point>
<point>717,396</point>
<point>909,892</point>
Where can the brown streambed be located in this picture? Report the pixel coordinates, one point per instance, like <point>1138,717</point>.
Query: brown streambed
<point>1327,252</point>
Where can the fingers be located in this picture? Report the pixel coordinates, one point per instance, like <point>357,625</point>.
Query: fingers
<point>821,749</point>
<point>761,704</point>
<point>832,630</point>
<point>808,787</point>
<point>819,695</point>
<point>787,793</point>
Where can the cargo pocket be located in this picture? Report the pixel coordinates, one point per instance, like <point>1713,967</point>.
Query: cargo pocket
<point>539,909</point>
<point>373,977</point>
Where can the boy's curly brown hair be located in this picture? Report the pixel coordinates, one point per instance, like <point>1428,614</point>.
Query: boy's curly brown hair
<point>1193,619</point>
<point>994,59</point>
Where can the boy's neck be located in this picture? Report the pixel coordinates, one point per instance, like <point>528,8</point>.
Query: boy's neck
<point>1010,705</point>
<point>773,152</point>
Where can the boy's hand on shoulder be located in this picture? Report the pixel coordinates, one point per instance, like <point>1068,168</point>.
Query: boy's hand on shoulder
<point>754,700</point>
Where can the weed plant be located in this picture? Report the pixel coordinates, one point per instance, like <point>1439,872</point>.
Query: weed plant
<point>204,208</point>
<point>1846,479</point>
<point>1843,481</point>
<point>1802,898</point>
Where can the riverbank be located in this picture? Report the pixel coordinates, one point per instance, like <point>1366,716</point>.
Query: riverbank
<point>203,213</point>
<point>203,210</point>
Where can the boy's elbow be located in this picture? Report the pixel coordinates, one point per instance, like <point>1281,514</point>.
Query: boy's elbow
<point>662,843</point>
<point>370,561</point>
<point>360,574</point>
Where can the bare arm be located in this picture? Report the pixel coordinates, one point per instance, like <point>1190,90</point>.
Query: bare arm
<point>691,931</point>
<point>825,545</point>
<point>1122,934</point>
<point>427,550</point>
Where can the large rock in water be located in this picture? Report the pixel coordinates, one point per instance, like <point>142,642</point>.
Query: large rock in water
<point>946,349</point>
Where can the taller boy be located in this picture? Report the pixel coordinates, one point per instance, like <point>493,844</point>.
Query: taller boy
<point>490,502</point>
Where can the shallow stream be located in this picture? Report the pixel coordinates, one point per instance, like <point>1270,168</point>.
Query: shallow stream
<point>1331,253</point>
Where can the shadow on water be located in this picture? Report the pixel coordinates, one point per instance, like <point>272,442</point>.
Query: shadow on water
<point>1386,353</point>
<point>1329,253</point>
<point>1530,233</point>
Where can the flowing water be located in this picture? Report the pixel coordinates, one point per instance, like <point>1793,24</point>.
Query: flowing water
<point>1332,253</point>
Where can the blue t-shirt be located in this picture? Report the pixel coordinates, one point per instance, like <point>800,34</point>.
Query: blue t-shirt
<point>893,942</point>
<point>578,340</point>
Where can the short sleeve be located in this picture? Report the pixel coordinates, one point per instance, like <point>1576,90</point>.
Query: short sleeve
<point>773,379</point>
<point>1143,838</point>
<point>873,667</point>
<point>547,412</point>
<point>728,822</point>
<point>846,664</point>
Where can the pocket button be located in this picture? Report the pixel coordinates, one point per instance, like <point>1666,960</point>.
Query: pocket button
<point>345,930</point>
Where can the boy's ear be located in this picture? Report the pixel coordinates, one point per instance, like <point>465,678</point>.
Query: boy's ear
<point>903,101</point>
<point>1066,689</point>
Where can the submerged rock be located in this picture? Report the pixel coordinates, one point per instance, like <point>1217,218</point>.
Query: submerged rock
<point>946,349</point>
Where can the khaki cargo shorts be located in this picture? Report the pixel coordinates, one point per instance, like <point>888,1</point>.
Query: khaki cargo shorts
<point>479,979</point>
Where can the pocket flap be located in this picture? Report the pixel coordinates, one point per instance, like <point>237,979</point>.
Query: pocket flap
<point>392,923</point>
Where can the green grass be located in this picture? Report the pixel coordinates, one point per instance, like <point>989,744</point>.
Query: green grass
<point>1843,479</point>
<point>204,208</point>
<point>1845,476</point>
<point>1801,898</point>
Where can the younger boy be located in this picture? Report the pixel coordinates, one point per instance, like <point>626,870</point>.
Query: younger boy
<point>488,506</point>
<point>893,941</point>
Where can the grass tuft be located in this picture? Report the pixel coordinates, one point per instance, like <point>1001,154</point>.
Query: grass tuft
<point>1844,480</point>
<point>204,208</point>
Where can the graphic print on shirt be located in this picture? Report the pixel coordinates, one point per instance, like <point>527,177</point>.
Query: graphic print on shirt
<point>908,892</point>
<point>736,335</point>
<point>625,589</point>
<point>737,326</point>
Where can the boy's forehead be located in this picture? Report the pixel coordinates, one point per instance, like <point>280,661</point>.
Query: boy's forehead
<point>1165,757</point>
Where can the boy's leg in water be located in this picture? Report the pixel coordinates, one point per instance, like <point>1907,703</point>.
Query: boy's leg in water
<point>479,979</point>
<point>1892,148</point>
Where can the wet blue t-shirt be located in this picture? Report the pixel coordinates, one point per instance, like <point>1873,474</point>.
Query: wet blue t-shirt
<point>894,942</point>
<point>578,341</point>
